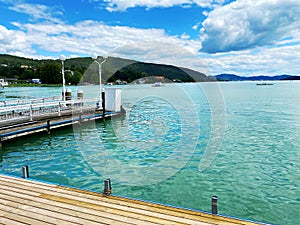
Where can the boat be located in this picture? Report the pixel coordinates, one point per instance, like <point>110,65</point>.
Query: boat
<point>157,84</point>
<point>3,83</point>
<point>264,83</point>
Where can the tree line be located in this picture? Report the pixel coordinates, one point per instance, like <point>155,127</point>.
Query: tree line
<point>85,70</point>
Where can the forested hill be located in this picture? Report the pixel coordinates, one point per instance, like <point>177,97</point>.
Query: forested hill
<point>85,70</point>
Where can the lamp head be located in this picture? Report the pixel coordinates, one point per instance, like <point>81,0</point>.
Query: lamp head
<point>62,57</point>
<point>94,56</point>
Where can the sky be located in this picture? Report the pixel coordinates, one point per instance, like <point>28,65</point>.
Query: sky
<point>243,37</point>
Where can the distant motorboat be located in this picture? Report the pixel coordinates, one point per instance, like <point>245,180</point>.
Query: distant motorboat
<point>3,84</point>
<point>157,84</point>
<point>264,83</point>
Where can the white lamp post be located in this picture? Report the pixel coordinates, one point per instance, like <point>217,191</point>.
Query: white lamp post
<point>63,58</point>
<point>95,57</point>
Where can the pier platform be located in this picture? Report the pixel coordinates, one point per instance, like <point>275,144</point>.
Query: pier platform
<point>26,201</point>
<point>19,126</point>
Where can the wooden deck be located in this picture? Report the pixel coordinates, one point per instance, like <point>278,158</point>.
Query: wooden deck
<point>24,201</point>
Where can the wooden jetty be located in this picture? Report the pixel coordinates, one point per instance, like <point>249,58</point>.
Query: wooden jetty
<point>26,201</point>
<point>17,120</point>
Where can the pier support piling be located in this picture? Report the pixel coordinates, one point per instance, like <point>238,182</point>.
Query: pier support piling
<point>80,118</point>
<point>103,104</point>
<point>48,126</point>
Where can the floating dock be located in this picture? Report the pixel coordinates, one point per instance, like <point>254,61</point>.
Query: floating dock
<point>26,201</point>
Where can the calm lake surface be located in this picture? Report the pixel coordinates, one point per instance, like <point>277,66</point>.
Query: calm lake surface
<point>179,144</point>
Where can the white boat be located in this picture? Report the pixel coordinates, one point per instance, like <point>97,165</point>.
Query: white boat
<point>3,83</point>
<point>157,84</point>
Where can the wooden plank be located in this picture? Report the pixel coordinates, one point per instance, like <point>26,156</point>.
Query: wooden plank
<point>54,205</point>
<point>177,212</point>
<point>66,203</point>
<point>127,211</point>
<point>79,212</point>
<point>30,214</point>
<point>13,213</point>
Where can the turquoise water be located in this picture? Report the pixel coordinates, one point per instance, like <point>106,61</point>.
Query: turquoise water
<point>179,145</point>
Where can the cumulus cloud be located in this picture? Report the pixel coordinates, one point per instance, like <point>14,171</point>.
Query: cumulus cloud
<point>121,5</point>
<point>87,37</point>
<point>260,61</point>
<point>247,24</point>
<point>14,42</point>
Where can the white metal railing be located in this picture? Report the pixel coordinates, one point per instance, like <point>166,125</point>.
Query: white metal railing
<point>31,109</point>
<point>28,101</point>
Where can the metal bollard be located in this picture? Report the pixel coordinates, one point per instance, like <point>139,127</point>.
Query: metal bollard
<point>25,172</point>
<point>107,187</point>
<point>214,205</point>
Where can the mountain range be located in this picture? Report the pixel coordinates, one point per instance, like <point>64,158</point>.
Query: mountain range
<point>233,77</point>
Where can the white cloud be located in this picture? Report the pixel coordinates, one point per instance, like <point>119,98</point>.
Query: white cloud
<point>121,5</point>
<point>37,12</point>
<point>247,24</point>
<point>260,61</point>
<point>149,45</point>
<point>13,42</point>
<point>232,27</point>
<point>87,37</point>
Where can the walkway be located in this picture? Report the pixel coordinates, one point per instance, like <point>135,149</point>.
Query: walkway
<point>24,201</point>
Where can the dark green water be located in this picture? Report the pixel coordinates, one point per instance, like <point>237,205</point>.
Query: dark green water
<point>179,145</point>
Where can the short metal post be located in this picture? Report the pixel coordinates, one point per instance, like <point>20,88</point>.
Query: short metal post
<point>214,205</point>
<point>107,187</point>
<point>25,172</point>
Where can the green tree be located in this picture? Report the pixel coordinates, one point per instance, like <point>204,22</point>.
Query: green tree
<point>50,73</point>
<point>73,77</point>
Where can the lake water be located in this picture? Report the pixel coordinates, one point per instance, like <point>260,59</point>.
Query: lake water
<point>179,144</point>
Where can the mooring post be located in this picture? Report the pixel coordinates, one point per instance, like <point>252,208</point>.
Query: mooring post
<point>25,172</point>
<point>103,103</point>
<point>107,187</point>
<point>48,126</point>
<point>214,205</point>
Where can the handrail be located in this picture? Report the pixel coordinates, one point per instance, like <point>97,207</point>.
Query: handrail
<point>31,109</point>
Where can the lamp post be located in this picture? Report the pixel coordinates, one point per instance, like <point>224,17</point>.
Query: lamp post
<point>63,58</point>
<point>101,94</point>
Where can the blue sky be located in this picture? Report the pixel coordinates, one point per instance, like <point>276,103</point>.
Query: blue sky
<point>245,37</point>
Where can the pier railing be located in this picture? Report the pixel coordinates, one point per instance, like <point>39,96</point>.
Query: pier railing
<point>30,110</point>
<point>28,101</point>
